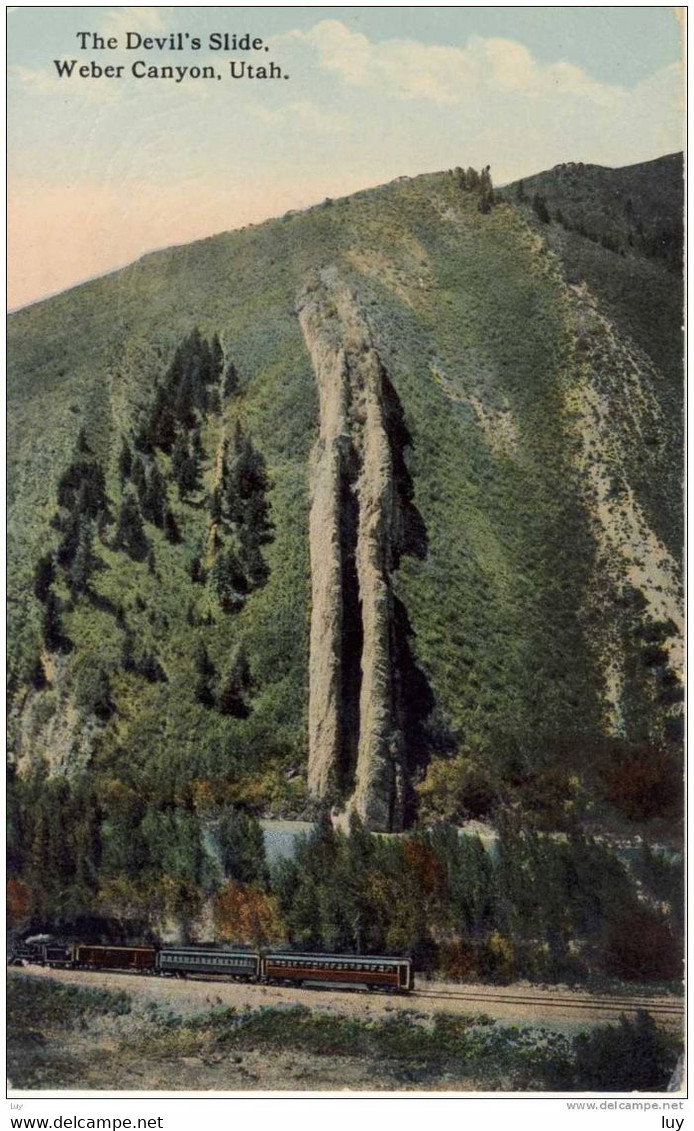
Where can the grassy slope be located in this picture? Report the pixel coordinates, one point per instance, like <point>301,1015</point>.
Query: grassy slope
<point>642,294</point>
<point>460,304</point>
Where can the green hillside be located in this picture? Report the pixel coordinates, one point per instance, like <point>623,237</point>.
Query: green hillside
<point>622,232</point>
<point>166,662</point>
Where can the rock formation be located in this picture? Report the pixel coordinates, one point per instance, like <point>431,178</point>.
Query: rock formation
<point>362,521</point>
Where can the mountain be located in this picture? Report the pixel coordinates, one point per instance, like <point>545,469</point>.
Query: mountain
<point>374,507</point>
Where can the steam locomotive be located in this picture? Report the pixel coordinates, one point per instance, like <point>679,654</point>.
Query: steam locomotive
<point>278,967</point>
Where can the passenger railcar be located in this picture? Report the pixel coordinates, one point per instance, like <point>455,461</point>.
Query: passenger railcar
<point>374,972</point>
<point>140,958</point>
<point>183,960</point>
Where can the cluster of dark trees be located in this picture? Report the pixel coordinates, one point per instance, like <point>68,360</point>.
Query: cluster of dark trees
<point>665,242</point>
<point>231,692</point>
<point>193,385</point>
<point>241,521</point>
<point>533,906</point>
<point>470,180</point>
<point>83,512</point>
<point>82,509</point>
<point>189,389</point>
<point>113,856</point>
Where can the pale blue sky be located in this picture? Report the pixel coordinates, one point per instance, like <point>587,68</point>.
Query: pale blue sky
<point>102,170</point>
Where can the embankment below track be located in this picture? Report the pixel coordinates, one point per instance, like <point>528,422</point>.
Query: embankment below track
<point>80,1031</point>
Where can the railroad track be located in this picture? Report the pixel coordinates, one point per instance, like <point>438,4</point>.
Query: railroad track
<point>616,1005</point>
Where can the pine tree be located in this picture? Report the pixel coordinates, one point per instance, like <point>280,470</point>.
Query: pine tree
<point>217,358</point>
<point>69,525</point>
<point>236,688</point>
<point>242,849</point>
<point>154,497</point>
<point>160,432</point>
<point>540,208</point>
<point>53,636</point>
<point>231,381</point>
<point>130,535</point>
<point>39,679</point>
<point>82,487</point>
<point>184,465</point>
<point>205,674</point>
<point>125,461</point>
<point>44,576</point>
<point>216,506</point>
<point>230,581</point>
<point>171,530</point>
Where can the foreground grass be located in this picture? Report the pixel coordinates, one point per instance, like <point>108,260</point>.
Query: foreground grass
<point>50,1026</point>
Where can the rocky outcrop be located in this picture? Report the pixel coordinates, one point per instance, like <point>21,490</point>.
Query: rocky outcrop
<point>362,521</point>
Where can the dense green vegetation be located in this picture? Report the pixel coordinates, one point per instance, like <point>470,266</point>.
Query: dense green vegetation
<point>162,421</point>
<point>532,907</point>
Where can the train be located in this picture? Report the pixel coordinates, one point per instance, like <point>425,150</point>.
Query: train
<point>270,967</point>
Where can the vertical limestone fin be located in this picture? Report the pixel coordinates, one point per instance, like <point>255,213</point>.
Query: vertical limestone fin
<point>362,518</point>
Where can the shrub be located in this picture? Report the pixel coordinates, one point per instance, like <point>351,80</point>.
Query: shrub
<point>497,960</point>
<point>457,789</point>
<point>458,960</point>
<point>641,947</point>
<point>645,782</point>
<point>632,1056</point>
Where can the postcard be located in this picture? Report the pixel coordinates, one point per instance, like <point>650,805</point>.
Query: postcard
<point>345,516</point>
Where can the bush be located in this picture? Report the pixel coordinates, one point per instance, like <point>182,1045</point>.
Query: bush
<point>458,960</point>
<point>497,961</point>
<point>632,1056</point>
<point>457,789</point>
<point>641,948</point>
<point>93,690</point>
<point>646,782</point>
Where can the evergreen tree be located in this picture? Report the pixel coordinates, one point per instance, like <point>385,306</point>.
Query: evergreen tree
<point>184,465</point>
<point>44,576</point>
<point>154,499</point>
<point>161,430</point>
<point>540,208</point>
<point>53,636</point>
<point>39,679</point>
<point>138,474</point>
<point>125,461</point>
<point>217,358</point>
<point>231,381</point>
<point>230,581</point>
<point>236,687</point>
<point>205,674</point>
<point>242,849</point>
<point>130,535</point>
<point>171,530</point>
<point>197,573</point>
<point>82,487</point>
<point>254,566</point>
<point>216,513</point>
